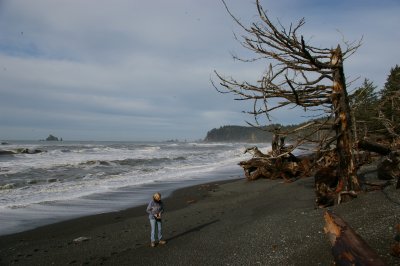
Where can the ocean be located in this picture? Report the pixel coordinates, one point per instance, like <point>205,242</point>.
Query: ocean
<point>66,180</point>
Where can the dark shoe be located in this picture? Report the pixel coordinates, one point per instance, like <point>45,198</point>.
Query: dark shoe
<point>152,244</point>
<point>162,242</point>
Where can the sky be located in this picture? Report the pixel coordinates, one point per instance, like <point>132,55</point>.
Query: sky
<point>133,70</point>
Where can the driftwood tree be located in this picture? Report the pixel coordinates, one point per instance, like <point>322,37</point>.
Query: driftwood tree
<point>299,75</point>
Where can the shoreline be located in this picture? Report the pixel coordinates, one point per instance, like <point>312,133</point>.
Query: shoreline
<point>85,178</point>
<point>17,220</point>
<point>236,222</point>
<point>173,195</point>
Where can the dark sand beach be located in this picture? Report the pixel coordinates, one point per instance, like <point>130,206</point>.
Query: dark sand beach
<point>225,223</point>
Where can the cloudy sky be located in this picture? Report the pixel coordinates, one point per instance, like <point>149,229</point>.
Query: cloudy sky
<point>141,70</point>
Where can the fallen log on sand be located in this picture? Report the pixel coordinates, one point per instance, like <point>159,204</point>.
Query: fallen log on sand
<point>374,147</point>
<point>348,248</point>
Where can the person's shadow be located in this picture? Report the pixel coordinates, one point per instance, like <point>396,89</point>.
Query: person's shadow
<point>195,229</point>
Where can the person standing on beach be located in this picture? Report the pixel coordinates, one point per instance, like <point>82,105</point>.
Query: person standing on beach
<point>155,210</point>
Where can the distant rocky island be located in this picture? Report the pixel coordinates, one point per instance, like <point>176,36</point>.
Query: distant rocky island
<point>239,134</point>
<point>52,138</point>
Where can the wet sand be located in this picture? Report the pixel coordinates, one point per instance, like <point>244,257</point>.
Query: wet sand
<point>222,223</point>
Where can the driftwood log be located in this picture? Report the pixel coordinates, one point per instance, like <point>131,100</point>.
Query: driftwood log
<point>279,163</point>
<point>329,186</point>
<point>374,147</point>
<point>287,167</point>
<point>348,248</point>
<point>256,152</point>
<point>388,168</point>
<point>395,248</point>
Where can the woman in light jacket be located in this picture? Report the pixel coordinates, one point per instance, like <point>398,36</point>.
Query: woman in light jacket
<point>155,210</point>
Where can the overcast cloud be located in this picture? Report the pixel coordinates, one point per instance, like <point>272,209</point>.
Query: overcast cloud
<point>140,70</point>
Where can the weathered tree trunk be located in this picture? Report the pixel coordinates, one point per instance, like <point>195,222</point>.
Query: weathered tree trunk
<point>348,248</point>
<point>278,143</point>
<point>348,179</point>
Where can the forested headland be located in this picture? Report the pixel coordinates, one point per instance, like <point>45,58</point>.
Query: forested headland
<point>239,134</point>
<point>250,134</point>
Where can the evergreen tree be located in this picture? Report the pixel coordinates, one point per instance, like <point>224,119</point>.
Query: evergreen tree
<point>389,106</point>
<point>364,104</point>
<point>392,84</point>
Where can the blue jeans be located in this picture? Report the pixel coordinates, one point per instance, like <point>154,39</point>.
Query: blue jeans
<point>153,223</point>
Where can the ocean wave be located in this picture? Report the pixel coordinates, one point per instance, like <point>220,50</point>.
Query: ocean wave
<point>4,169</point>
<point>73,171</point>
<point>32,181</point>
<point>133,162</point>
<point>7,186</point>
<point>148,161</point>
<point>96,163</point>
<point>18,206</point>
<point>21,151</point>
<point>6,153</point>
<point>151,148</point>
